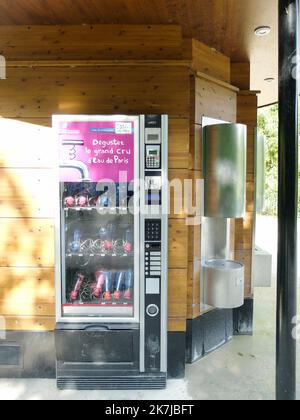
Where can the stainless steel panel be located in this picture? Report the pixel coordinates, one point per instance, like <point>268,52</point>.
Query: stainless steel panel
<point>215,238</point>
<point>262,268</point>
<point>224,169</point>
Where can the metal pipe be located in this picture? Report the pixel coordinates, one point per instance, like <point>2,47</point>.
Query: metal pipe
<point>287,200</point>
<point>79,166</point>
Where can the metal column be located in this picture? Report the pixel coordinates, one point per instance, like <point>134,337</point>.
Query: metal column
<point>287,199</point>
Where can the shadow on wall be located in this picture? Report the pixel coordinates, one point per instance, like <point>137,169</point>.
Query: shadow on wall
<point>27,297</point>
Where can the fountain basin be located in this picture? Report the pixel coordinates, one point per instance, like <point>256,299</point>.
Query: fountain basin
<point>224,284</point>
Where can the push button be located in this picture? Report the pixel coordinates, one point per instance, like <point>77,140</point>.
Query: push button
<point>152,311</point>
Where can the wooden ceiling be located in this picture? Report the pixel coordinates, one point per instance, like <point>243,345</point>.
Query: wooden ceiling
<point>227,25</point>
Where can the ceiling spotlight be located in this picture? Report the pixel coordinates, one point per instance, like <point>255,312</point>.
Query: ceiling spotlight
<point>269,79</point>
<point>262,31</point>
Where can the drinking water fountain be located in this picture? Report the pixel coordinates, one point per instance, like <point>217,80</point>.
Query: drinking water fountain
<point>224,283</point>
<point>224,170</point>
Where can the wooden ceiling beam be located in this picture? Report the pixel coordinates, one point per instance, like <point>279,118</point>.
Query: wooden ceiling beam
<point>91,42</point>
<point>97,63</point>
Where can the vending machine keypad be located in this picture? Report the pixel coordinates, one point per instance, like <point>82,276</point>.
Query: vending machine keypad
<point>152,163</point>
<point>153,230</point>
<point>153,157</point>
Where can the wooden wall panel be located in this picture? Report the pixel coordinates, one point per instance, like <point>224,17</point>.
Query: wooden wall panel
<point>178,244</point>
<point>194,243</point>
<point>41,92</point>
<point>207,60</point>
<point>91,42</point>
<point>40,280</point>
<point>27,292</point>
<point>193,295</point>
<point>244,227</point>
<point>247,114</point>
<point>195,161</point>
<point>244,238</point>
<point>186,195</point>
<point>196,197</point>
<point>25,145</point>
<point>30,323</point>
<point>23,308</point>
<point>26,243</point>
<point>182,194</point>
<point>177,293</point>
<point>247,108</point>
<point>214,101</point>
<point>179,139</point>
<point>240,75</point>
<point>27,193</point>
<point>245,257</point>
<point>176,179</point>
<point>177,325</point>
<point>43,122</point>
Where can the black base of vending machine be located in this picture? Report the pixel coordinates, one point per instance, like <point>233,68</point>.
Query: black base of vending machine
<point>102,357</point>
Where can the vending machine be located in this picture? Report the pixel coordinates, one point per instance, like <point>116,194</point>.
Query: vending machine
<point>112,252</point>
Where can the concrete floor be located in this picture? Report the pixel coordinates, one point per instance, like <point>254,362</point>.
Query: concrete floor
<point>242,370</point>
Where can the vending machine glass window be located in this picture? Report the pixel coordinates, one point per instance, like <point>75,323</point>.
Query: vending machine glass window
<point>99,233</point>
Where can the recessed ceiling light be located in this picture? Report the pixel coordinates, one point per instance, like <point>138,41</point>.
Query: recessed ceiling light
<point>269,79</point>
<point>262,31</point>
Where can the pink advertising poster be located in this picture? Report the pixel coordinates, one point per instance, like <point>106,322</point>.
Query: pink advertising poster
<point>96,150</point>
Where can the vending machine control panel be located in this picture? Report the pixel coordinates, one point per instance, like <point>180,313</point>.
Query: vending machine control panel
<point>155,236</point>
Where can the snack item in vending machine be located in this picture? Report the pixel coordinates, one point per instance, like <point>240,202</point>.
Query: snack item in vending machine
<point>107,286</point>
<point>120,277</point>
<point>103,200</point>
<point>75,292</point>
<point>102,234</point>
<point>69,201</point>
<point>128,241</point>
<point>129,279</point>
<point>82,200</point>
<point>76,244</point>
<point>108,243</point>
<point>122,195</point>
<point>97,287</point>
